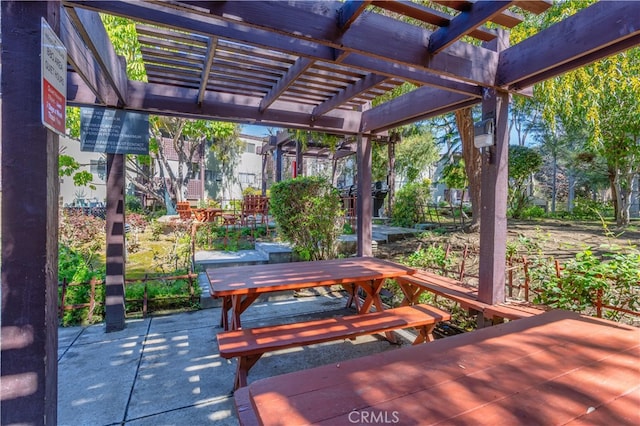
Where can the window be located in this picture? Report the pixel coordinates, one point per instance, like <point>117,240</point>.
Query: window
<point>250,148</point>
<point>98,167</point>
<point>247,178</point>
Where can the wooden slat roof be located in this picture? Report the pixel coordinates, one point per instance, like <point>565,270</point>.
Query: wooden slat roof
<point>320,64</point>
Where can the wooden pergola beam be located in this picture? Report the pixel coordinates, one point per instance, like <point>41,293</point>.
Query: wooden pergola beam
<point>559,48</point>
<point>204,79</point>
<point>466,22</point>
<point>430,16</point>
<point>170,100</point>
<point>90,26</point>
<point>421,103</point>
<point>85,63</point>
<point>263,23</point>
<point>409,73</point>
<point>350,11</point>
<point>348,93</point>
<point>296,70</point>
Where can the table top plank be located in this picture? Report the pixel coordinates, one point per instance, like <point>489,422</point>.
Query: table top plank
<point>298,275</point>
<point>553,356</point>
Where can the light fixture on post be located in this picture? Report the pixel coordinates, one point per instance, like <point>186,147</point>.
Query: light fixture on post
<point>483,133</point>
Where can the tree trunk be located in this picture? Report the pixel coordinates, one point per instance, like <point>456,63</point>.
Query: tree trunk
<point>472,163</point>
<point>623,181</point>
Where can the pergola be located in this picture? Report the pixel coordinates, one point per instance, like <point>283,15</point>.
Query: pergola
<point>305,65</point>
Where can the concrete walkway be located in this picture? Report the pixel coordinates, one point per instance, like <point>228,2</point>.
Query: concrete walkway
<point>166,370</point>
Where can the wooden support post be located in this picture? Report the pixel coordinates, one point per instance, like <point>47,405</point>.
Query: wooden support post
<point>265,158</point>
<point>364,206</point>
<point>29,390</point>
<point>299,159</point>
<point>114,284</point>
<point>391,175</point>
<point>278,163</point>
<point>493,220</point>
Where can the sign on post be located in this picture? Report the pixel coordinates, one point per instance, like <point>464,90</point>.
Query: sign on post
<point>114,131</point>
<point>54,80</point>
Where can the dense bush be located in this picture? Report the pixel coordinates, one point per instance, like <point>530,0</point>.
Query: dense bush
<point>433,257</point>
<point>523,161</point>
<point>616,276</point>
<point>411,199</point>
<point>133,204</point>
<point>588,209</point>
<point>81,231</point>
<point>308,212</point>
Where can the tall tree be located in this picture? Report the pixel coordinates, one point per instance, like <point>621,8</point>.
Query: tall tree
<point>472,164</point>
<point>601,98</point>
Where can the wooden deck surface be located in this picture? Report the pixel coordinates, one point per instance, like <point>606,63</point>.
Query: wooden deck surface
<point>549,369</point>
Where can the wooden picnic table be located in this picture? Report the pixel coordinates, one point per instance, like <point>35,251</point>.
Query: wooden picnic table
<point>550,369</point>
<point>240,286</point>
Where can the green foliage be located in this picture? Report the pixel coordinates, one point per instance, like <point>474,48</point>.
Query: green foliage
<point>581,278</point>
<point>588,209</point>
<point>523,161</point>
<point>133,204</point>
<point>318,138</point>
<point>433,257</point>
<point>213,237</point>
<point>249,190</point>
<point>533,212</point>
<point>454,175</point>
<point>411,199</point>
<point>68,166</point>
<point>76,266</point>
<point>414,154</point>
<point>124,37</point>
<point>308,212</point>
<point>161,294</point>
<point>176,257</point>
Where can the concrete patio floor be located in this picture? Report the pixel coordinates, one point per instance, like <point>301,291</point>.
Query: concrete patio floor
<point>166,370</point>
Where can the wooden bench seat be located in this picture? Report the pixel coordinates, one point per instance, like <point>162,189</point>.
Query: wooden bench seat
<point>249,344</point>
<point>466,297</point>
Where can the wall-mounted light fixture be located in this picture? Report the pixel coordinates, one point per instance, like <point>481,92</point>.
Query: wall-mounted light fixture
<point>483,133</point>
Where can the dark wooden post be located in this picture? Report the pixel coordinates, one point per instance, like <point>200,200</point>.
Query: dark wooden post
<point>364,207</point>
<point>114,283</point>
<point>278,163</point>
<point>265,160</point>
<point>30,185</point>
<point>299,159</point>
<point>493,219</point>
<point>391,175</point>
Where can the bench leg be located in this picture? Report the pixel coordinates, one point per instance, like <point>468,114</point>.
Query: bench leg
<point>425,334</point>
<point>353,297</point>
<point>224,315</point>
<point>244,364</point>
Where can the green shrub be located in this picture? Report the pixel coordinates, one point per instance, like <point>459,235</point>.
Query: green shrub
<point>75,266</point>
<point>410,202</point>
<point>432,257</point>
<point>308,213</point>
<point>133,204</point>
<point>581,278</point>
<point>588,209</point>
<point>533,212</point>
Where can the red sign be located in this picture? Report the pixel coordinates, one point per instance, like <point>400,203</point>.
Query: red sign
<point>53,107</point>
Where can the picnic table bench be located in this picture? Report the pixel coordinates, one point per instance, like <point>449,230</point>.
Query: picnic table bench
<point>249,344</point>
<point>414,285</point>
